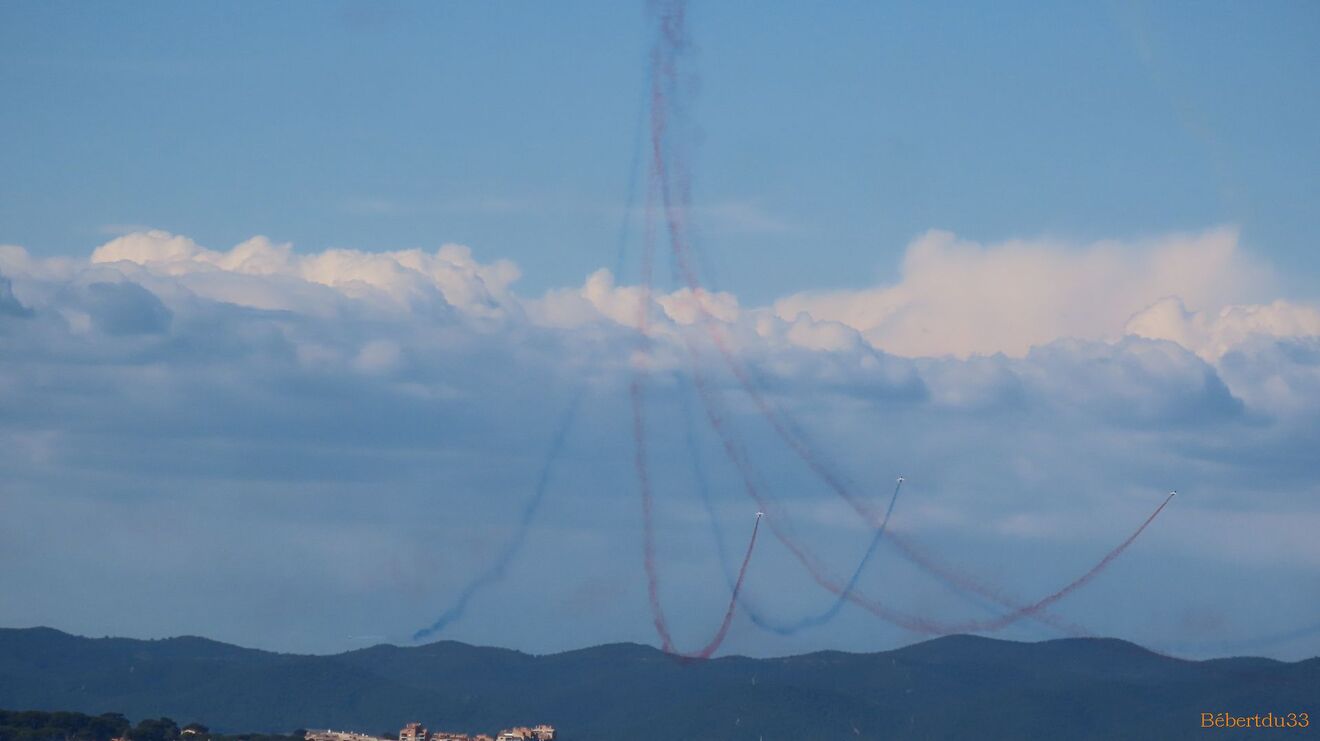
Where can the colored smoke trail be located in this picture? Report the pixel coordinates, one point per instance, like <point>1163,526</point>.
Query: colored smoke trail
<point>499,567</point>
<point>662,75</point>
<point>497,570</point>
<point>706,651</point>
<point>652,572</point>
<point>1082,580</point>
<point>648,514</point>
<point>978,626</point>
<point>780,627</point>
<point>822,618</point>
<point>637,405</point>
<point>702,484</point>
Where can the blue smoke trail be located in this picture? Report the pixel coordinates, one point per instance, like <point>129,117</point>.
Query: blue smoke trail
<point>828,615</point>
<point>703,485</point>
<point>496,571</point>
<point>821,618</point>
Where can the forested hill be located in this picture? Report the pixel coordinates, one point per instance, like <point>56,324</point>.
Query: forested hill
<point>953,687</point>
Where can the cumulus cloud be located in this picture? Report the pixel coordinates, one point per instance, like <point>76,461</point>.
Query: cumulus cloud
<point>405,278</point>
<point>226,396</point>
<point>962,298</point>
<point>1211,334</point>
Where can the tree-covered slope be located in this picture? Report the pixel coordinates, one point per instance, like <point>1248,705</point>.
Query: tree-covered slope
<point>953,687</point>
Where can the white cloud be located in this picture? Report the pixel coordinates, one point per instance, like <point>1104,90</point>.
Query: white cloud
<point>598,298</point>
<point>153,247</point>
<point>347,391</point>
<point>956,298</point>
<point>1212,334</point>
<point>405,278</point>
<point>963,298</point>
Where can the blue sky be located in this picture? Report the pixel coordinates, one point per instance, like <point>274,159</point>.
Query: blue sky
<point>293,297</point>
<point>829,136</point>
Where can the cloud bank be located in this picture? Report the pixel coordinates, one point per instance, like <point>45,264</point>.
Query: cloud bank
<point>962,298</point>
<point>360,427</point>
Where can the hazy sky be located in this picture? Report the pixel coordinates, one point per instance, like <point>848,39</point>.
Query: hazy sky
<point>293,297</point>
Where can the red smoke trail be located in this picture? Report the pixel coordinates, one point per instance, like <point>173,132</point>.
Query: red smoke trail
<point>671,26</point>
<point>635,394</point>
<point>705,651</point>
<point>648,536</point>
<point>992,624</point>
<point>1082,580</point>
<point>665,171</point>
<point>652,574</point>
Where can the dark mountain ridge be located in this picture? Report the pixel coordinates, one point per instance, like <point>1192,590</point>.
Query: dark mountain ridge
<point>950,687</point>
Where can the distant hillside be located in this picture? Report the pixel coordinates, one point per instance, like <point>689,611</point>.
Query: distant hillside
<point>959,687</point>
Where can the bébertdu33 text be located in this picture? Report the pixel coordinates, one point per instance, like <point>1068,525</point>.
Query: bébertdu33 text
<point>1268,720</point>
